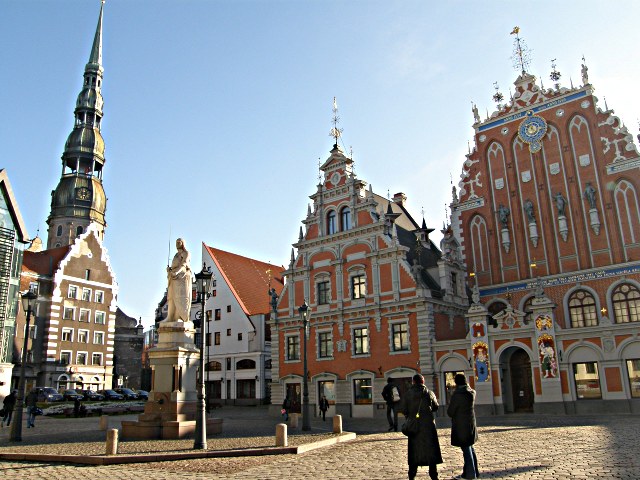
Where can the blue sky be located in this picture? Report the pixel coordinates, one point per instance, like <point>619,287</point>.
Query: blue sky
<point>217,112</point>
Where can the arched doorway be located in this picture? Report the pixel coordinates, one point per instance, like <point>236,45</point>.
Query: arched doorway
<point>517,383</point>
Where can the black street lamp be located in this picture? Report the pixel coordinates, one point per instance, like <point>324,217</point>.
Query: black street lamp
<point>28,305</point>
<point>203,282</point>
<point>305,311</point>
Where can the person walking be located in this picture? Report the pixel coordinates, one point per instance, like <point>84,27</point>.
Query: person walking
<point>286,406</point>
<point>424,448</point>
<point>8,404</point>
<point>76,407</point>
<point>324,406</point>
<point>391,395</point>
<point>463,425</point>
<point>32,400</point>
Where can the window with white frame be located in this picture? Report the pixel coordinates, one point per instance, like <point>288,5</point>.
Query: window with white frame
<point>85,315</point>
<point>99,298</point>
<point>73,292</point>
<point>293,347</point>
<point>67,335</point>
<point>86,294</point>
<point>331,222</point>
<point>98,338</point>
<point>360,338</point>
<point>69,313</point>
<point>100,317</point>
<point>83,336</point>
<point>65,357</point>
<point>399,336</point>
<point>325,344</point>
<point>345,219</point>
<point>96,359</point>
<point>324,291</point>
<point>358,286</point>
<point>81,358</point>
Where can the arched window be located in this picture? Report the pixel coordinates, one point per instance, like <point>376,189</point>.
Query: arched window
<point>79,231</point>
<point>246,364</point>
<point>213,366</point>
<point>345,219</point>
<point>582,309</point>
<point>59,231</point>
<point>626,303</point>
<point>331,222</point>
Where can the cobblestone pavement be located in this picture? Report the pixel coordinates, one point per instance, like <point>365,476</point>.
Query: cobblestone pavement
<point>519,447</point>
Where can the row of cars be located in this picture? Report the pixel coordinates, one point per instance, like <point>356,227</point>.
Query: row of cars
<point>49,394</point>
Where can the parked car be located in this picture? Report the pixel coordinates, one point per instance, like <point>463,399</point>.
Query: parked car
<point>71,394</point>
<point>127,393</point>
<point>111,395</point>
<point>143,395</point>
<point>48,394</point>
<point>92,395</point>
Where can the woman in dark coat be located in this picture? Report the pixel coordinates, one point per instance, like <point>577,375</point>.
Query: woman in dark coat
<point>424,448</point>
<point>463,424</point>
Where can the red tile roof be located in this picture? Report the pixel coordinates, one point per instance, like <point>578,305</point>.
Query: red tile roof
<point>45,262</point>
<point>248,279</point>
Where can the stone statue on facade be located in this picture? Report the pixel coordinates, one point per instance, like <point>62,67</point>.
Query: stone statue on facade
<point>585,75</point>
<point>590,195</point>
<point>503,215</point>
<point>274,299</point>
<point>528,209</point>
<point>179,285</point>
<point>476,115</point>
<point>561,204</point>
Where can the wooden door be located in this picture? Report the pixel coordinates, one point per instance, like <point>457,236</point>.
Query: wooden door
<point>521,385</point>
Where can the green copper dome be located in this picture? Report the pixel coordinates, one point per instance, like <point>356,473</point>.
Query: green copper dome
<point>85,140</point>
<point>79,196</point>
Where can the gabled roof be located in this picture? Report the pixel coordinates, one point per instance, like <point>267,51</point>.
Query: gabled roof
<point>12,205</point>
<point>45,262</point>
<point>248,279</point>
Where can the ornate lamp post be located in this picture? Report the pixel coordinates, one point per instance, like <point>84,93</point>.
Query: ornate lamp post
<point>28,305</point>
<point>203,282</point>
<point>305,311</point>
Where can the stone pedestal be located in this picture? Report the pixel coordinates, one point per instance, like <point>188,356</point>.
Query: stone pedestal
<point>170,412</point>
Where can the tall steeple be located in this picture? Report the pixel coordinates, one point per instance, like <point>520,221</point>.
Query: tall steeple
<point>79,198</point>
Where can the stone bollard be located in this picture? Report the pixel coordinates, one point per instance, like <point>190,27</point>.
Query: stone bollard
<point>293,417</point>
<point>104,422</point>
<point>337,424</point>
<point>281,435</point>
<point>112,441</point>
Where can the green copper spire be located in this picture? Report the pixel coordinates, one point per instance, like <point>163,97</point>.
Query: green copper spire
<point>79,199</point>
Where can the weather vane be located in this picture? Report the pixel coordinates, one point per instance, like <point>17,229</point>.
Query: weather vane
<point>521,54</point>
<point>555,74</point>
<point>335,131</point>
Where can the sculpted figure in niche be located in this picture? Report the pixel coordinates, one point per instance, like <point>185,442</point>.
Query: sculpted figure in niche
<point>590,195</point>
<point>561,204</point>
<point>503,215</point>
<point>528,209</point>
<point>179,289</point>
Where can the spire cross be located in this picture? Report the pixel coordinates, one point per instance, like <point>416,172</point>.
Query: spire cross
<point>335,131</point>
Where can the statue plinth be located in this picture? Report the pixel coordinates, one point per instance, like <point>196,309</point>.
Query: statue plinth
<point>170,412</point>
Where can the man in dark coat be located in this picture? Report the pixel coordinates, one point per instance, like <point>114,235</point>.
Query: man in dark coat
<point>8,404</point>
<point>424,447</point>
<point>391,395</point>
<point>463,424</point>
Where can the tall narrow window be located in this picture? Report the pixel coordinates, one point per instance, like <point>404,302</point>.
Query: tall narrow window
<point>325,345</point>
<point>293,347</point>
<point>582,309</point>
<point>360,340</point>
<point>323,292</point>
<point>358,288</point>
<point>626,303</point>
<point>345,219</point>
<point>331,222</point>
<point>400,336</point>
<point>633,370</point>
<point>59,231</point>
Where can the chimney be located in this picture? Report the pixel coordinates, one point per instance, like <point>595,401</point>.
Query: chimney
<point>399,198</point>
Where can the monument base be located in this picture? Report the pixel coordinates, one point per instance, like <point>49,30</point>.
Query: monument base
<point>166,430</point>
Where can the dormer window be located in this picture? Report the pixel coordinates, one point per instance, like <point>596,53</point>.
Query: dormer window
<point>331,222</point>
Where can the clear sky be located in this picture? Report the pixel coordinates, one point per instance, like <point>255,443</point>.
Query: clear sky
<point>217,112</point>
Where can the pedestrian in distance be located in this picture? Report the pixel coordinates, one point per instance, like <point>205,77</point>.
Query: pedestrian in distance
<point>32,400</point>
<point>391,395</point>
<point>423,448</point>
<point>76,407</point>
<point>286,406</point>
<point>463,425</point>
<point>8,404</point>
<point>324,406</point>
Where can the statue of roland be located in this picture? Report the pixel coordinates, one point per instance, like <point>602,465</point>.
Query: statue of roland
<point>179,288</point>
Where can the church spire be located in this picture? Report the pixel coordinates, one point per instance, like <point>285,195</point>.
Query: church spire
<point>79,199</point>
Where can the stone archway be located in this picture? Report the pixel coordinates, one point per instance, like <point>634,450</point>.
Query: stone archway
<point>517,381</point>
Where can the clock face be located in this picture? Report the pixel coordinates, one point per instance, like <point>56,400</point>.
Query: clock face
<point>83,193</point>
<point>531,131</point>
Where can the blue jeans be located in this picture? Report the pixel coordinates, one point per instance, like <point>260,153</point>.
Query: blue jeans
<point>31,416</point>
<point>470,469</point>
